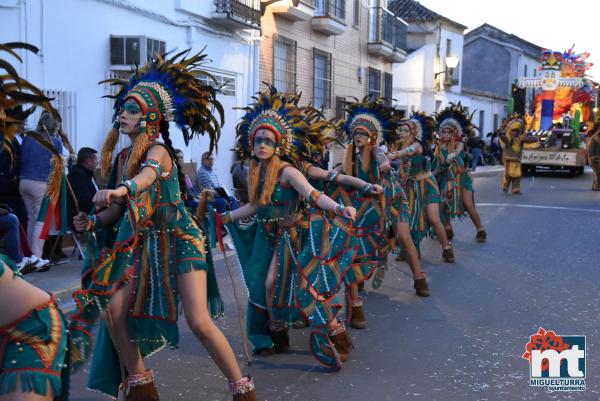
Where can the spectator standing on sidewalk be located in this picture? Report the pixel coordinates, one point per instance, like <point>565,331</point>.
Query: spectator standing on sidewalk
<point>81,178</point>
<point>208,179</point>
<point>475,145</point>
<point>35,168</point>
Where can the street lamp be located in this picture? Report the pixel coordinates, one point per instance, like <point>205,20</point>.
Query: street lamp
<point>451,63</point>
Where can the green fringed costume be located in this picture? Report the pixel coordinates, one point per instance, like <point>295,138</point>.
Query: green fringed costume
<point>155,238</point>
<point>34,350</point>
<point>155,241</point>
<point>452,179</point>
<point>311,252</point>
<point>369,226</point>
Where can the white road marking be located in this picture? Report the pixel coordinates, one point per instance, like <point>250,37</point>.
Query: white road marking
<point>572,209</point>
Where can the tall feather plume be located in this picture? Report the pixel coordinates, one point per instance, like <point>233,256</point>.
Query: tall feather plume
<point>307,125</point>
<point>15,92</point>
<point>194,103</point>
<point>457,112</point>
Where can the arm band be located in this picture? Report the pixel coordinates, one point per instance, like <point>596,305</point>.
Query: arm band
<point>332,176</point>
<point>153,164</point>
<point>131,186</point>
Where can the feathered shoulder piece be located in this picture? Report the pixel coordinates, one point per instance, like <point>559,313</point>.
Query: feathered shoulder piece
<point>371,115</point>
<point>16,92</point>
<point>300,132</point>
<point>168,89</point>
<point>458,119</point>
<point>512,121</point>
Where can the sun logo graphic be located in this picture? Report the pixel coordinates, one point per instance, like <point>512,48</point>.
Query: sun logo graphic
<point>556,362</point>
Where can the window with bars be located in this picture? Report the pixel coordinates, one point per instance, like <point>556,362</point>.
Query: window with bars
<point>321,79</point>
<point>387,87</point>
<point>331,8</point>
<point>374,82</point>
<point>481,121</point>
<point>284,64</point>
<point>224,83</point>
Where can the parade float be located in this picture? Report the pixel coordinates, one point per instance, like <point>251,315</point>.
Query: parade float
<point>560,111</point>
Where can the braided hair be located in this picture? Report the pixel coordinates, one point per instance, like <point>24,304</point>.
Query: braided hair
<point>164,132</point>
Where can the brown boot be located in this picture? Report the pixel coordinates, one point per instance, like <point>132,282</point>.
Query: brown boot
<point>342,341</point>
<point>448,255</point>
<point>280,337</point>
<point>421,287</point>
<point>141,387</point>
<point>449,233</point>
<point>243,389</point>
<point>481,236</point>
<point>357,320</point>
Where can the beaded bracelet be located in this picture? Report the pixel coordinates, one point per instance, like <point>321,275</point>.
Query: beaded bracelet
<point>131,186</point>
<point>367,188</point>
<point>339,209</point>
<point>332,176</point>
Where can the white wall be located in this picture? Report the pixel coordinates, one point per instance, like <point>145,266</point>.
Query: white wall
<point>414,85</point>
<point>73,36</point>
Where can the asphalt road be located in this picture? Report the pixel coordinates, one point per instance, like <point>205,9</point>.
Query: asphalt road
<point>539,268</point>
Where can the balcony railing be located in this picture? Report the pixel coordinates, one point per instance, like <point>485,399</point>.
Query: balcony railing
<point>330,8</point>
<point>243,13</point>
<point>385,27</point>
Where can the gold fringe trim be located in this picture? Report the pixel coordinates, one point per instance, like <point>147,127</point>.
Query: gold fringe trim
<point>55,178</point>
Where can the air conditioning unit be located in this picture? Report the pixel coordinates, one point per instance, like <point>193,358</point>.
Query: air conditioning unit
<point>126,51</point>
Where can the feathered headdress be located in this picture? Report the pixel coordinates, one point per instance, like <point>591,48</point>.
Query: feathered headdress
<point>299,131</point>
<point>457,118</point>
<point>371,116</point>
<point>168,90</point>
<point>419,124</point>
<point>514,120</point>
<point>15,92</point>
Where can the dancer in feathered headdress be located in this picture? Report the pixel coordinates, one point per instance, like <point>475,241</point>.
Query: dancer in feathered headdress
<point>277,136</point>
<point>366,121</point>
<point>29,369</point>
<point>413,137</point>
<point>150,251</point>
<point>512,140</point>
<point>456,185</point>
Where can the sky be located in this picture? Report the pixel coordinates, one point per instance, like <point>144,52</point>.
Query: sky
<point>552,24</point>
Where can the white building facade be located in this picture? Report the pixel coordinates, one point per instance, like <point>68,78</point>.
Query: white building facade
<point>425,81</point>
<point>84,42</point>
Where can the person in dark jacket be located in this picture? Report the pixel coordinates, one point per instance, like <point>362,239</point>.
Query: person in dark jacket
<point>81,178</point>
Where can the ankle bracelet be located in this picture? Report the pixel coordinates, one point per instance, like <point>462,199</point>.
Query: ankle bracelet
<point>140,379</point>
<point>340,328</point>
<point>242,386</point>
